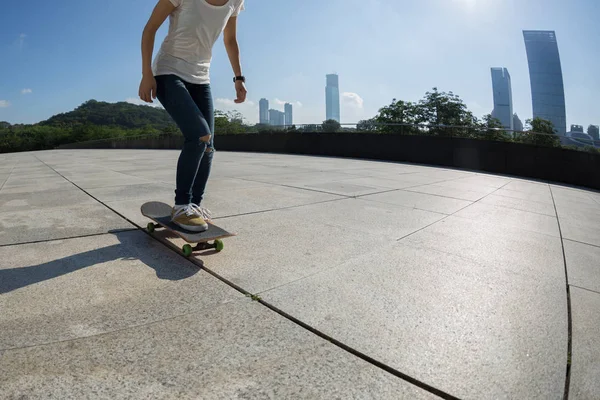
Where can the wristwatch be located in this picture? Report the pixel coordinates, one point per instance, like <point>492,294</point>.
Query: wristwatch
<point>239,78</point>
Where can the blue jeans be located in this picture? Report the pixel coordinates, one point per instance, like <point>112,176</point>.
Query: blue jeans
<point>191,107</point>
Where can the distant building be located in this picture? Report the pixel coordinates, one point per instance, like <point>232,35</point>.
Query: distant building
<point>503,105</point>
<point>594,132</point>
<point>276,118</point>
<point>263,111</point>
<point>517,123</point>
<point>545,72</point>
<point>577,128</point>
<point>332,98</point>
<point>289,115</point>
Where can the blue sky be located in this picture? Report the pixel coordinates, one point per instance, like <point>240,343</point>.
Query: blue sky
<point>56,55</point>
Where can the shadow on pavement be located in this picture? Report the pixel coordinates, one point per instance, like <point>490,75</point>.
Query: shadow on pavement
<point>129,248</point>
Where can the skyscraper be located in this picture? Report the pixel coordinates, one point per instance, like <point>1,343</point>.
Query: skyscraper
<point>276,118</point>
<point>332,98</point>
<point>545,72</point>
<point>503,106</point>
<point>263,111</point>
<point>289,116</point>
<point>594,132</point>
<point>517,123</point>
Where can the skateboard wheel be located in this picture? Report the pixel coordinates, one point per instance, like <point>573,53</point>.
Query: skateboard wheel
<point>219,245</point>
<point>187,250</point>
<point>150,227</point>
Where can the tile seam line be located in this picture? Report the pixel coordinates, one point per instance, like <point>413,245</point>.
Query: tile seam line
<point>450,215</point>
<point>6,180</point>
<point>318,333</point>
<point>569,312</point>
<point>123,230</point>
<point>586,289</point>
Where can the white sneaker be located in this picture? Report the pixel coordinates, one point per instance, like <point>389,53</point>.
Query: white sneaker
<point>189,217</point>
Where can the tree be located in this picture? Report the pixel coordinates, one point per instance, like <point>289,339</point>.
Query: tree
<point>230,122</point>
<point>492,129</point>
<point>540,132</point>
<point>331,125</point>
<point>368,125</point>
<point>436,109</point>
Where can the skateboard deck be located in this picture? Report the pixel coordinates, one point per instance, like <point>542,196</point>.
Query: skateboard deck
<point>160,213</point>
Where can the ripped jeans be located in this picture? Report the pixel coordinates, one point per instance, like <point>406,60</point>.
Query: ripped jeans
<point>191,107</point>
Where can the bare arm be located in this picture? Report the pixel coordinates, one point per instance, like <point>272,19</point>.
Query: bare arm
<point>233,51</point>
<point>160,13</point>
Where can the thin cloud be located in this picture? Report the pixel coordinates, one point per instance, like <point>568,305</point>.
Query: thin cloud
<point>26,91</point>
<point>4,103</point>
<point>283,102</point>
<point>353,99</point>
<point>21,40</point>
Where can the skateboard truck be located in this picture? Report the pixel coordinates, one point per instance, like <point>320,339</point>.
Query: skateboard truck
<point>187,249</point>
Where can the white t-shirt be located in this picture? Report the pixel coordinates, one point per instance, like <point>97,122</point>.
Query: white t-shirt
<point>194,27</point>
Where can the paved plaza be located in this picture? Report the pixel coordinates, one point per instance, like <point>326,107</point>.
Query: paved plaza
<point>348,279</point>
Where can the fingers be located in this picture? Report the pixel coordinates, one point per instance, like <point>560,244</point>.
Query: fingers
<point>241,96</point>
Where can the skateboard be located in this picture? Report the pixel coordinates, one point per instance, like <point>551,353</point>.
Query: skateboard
<point>160,213</point>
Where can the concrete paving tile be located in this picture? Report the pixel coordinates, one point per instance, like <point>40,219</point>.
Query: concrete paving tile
<point>17,182</point>
<point>80,287</point>
<point>122,180</point>
<point>39,187</point>
<point>583,265</point>
<point>314,238</point>
<point>580,227</point>
<point>146,191</point>
<point>299,179</point>
<point>380,183</point>
<point>528,187</point>
<point>515,194</point>
<point>493,181</point>
<point>451,192</point>
<point>245,200</point>
<point>345,188</point>
<point>36,224</point>
<point>414,179</point>
<point>463,185</point>
<point>43,199</point>
<point>225,203</point>
<point>505,247</point>
<point>473,330</point>
<point>239,350</point>
<point>519,204</point>
<point>444,205</point>
<point>585,360</point>
<point>493,215</point>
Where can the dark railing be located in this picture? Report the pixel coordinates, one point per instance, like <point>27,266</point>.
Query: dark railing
<point>453,131</point>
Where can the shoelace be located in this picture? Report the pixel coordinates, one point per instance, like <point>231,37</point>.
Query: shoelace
<point>204,212</point>
<point>192,209</point>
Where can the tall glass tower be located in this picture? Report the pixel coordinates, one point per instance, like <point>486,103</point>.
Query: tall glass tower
<point>545,72</point>
<point>503,105</point>
<point>263,111</point>
<point>289,115</point>
<point>332,98</point>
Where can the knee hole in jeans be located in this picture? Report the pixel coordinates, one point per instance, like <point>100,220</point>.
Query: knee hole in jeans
<point>205,138</point>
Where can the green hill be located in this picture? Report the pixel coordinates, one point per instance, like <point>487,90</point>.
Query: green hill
<point>93,120</point>
<point>122,115</point>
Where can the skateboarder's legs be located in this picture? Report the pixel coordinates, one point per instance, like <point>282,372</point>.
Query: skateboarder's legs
<point>191,107</point>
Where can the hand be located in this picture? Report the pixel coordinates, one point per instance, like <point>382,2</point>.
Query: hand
<point>240,90</point>
<point>148,88</point>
